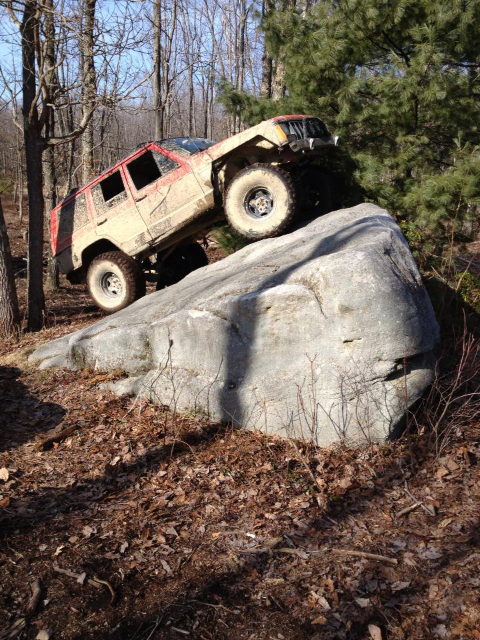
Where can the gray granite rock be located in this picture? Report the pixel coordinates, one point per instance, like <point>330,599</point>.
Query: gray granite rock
<point>324,333</point>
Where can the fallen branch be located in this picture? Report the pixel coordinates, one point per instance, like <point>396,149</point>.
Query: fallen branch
<point>58,436</point>
<point>14,629</point>
<point>364,554</point>
<point>108,585</point>
<point>36,588</point>
<point>303,553</point>
<point>409,509</point>
<point>79,577</point>
<point>430,511</point>
<point>94,582</point>
<point>214,606</point>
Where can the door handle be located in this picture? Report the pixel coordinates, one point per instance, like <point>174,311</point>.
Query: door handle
<point>141,198</point>
<point>101,221</point>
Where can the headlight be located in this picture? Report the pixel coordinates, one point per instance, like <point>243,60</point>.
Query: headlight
<point>281,135</point>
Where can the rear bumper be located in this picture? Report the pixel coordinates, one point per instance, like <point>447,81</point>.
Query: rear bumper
<point>313,144</point>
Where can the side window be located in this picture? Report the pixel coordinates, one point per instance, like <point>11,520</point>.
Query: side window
<point>73,216</point>
<point>164,164</point>
<point>109,192</point>
<point>148,167</point>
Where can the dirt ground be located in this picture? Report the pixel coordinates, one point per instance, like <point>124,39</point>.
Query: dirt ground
<point>142,525</point>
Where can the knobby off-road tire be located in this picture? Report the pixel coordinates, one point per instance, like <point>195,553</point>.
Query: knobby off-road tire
<point>182,261</point>
<point>260,202</point>
<point>114,281</point>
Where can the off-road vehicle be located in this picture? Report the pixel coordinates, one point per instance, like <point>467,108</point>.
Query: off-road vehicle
<point>138,220</point>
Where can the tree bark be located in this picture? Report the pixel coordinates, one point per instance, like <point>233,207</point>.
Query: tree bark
<point>191,102</point>
<point>50,190</point>
<point>157,69</point>
<point>267,62</point>
<point>278,83</point>
<point>89,86</point>
<point>33,154</point>
<point>9,314</point>
<point>49,170</point>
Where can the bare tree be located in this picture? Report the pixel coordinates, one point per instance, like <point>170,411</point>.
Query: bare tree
<point>157,68</point>
<point>89,88</point>
<point>9,315</point>
<point>39,94</point>
<point>49,171</point>
<point>33,123</point>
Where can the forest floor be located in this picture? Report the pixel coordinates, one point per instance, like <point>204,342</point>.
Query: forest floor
<point>145,525</point>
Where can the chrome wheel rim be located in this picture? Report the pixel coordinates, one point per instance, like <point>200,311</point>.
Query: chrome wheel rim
<point>111,285</point>
<point>258,203</point>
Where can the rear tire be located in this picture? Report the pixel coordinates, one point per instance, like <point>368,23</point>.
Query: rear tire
<point>260,202</point>
<point>114,281</point>
<point>182,261</point>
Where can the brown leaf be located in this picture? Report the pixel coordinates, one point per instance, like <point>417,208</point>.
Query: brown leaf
<point>166,566</point>
<point>432,553</point>
<point>345,483</point>
<point>452,465</point>
<point>375,632</point>
<point>399,585</point>
<point>321,601</point>
<point>363,602</point>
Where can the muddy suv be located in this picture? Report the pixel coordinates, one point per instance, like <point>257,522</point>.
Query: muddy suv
<point>139,220</point>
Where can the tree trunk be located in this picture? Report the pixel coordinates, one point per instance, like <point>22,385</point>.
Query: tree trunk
<point>157,69</point>
<point>50,189</point>
<point>191,102</point>
<point>278,79</point>
<point>49,170</point>
<point>89,86</point>
<point>33,155</point>
<point>9,314</point>
<point>20,191</point>
<point>278,84</point>
<point>267,62</point>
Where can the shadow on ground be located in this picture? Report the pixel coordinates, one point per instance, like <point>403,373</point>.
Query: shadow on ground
<point>22,415</point>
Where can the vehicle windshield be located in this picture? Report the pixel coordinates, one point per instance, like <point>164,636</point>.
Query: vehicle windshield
<point>187,144</point>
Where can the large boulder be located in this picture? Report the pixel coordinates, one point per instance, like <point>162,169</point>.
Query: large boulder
<point>323,334</point>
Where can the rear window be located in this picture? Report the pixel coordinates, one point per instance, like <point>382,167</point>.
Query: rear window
<point>73,216</point>
<point>187,145</point>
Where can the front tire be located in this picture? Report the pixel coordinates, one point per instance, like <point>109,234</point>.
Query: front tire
<point>114,281</point>
<point>260,202</point>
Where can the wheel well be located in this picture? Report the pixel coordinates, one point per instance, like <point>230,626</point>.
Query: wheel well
<point>254,151</point>
<point>94,250</point>
<point>78,276</point>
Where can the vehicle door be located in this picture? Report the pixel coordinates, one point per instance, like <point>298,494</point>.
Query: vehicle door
<point>116,214</point>
<point>165,189</point>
